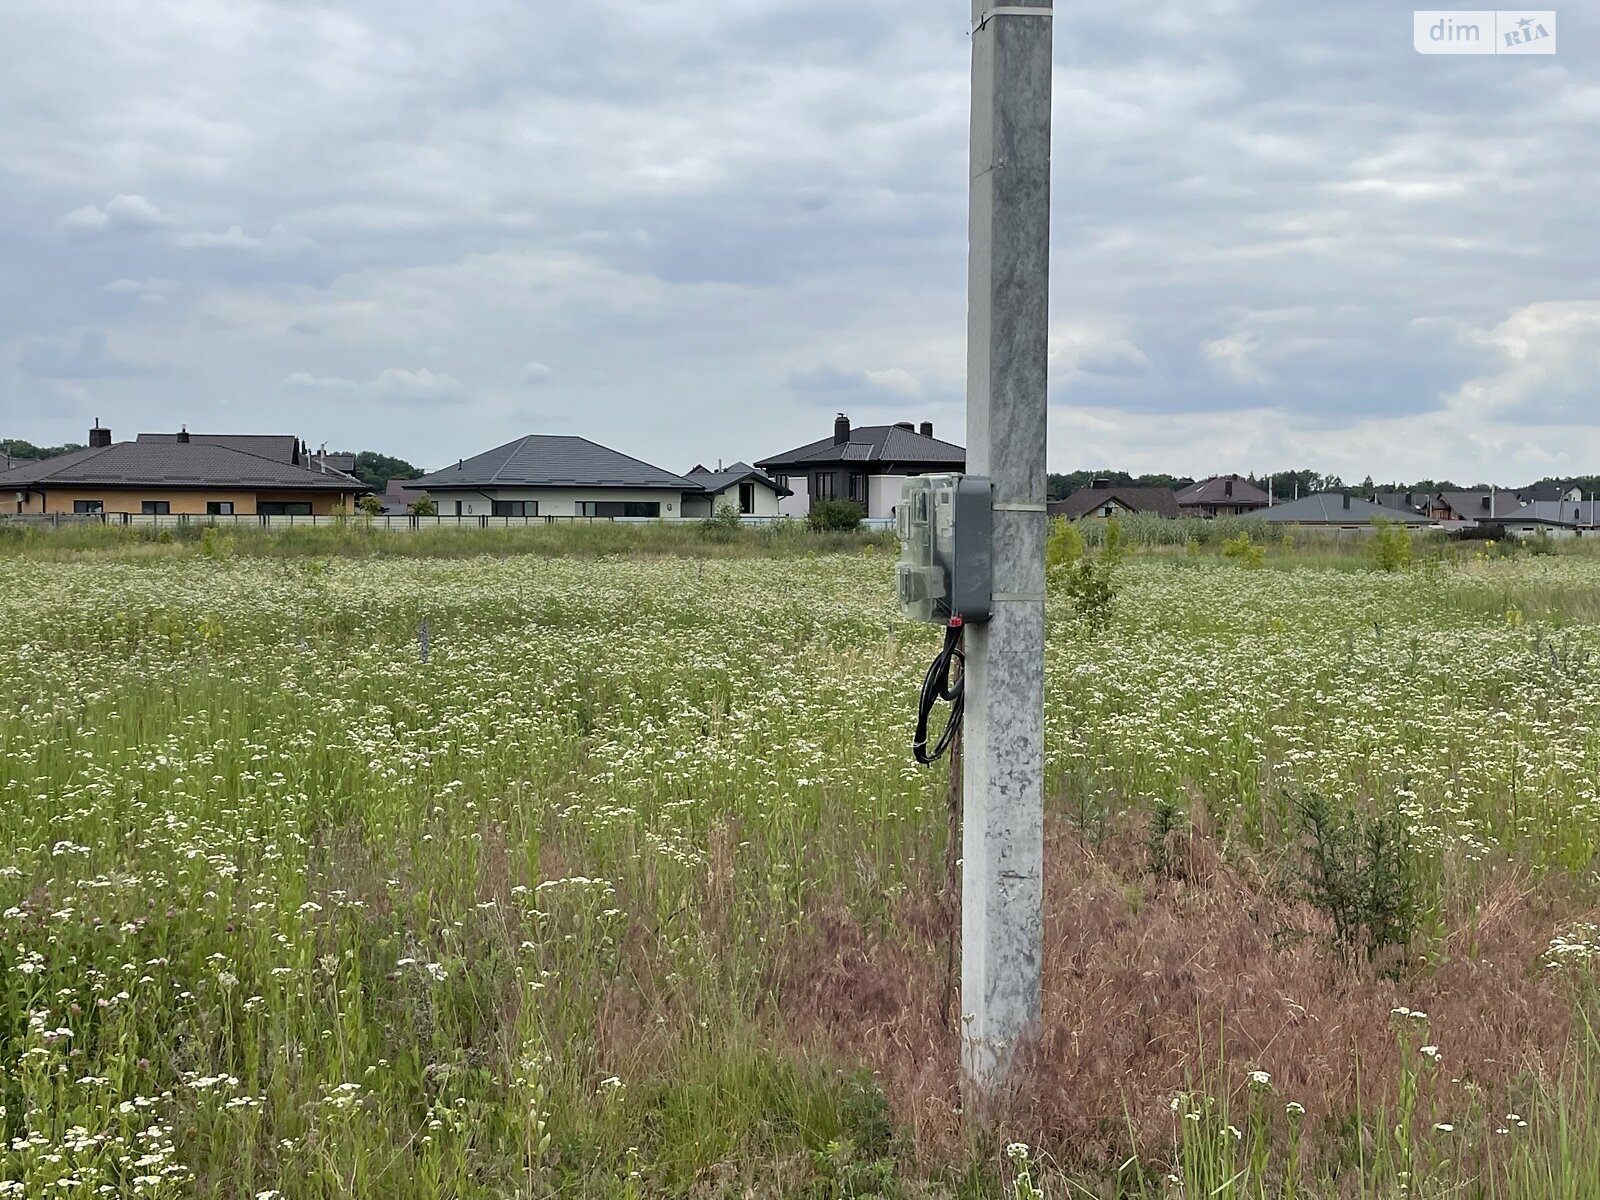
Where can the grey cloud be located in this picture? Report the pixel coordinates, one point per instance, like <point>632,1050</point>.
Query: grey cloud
<point>1271,222</point>
<point>85,356</point>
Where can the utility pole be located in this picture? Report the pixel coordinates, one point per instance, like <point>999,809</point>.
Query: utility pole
<point>1002,927</point>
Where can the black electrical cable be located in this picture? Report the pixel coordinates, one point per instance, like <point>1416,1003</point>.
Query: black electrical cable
<point>936,686</point>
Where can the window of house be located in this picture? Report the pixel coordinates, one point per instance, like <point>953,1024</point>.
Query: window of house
<point>458,508</point>
<point>219,508</point>
<point>1107,510</point>
<point>516,508</point>
<point>618,508</point>
<point>747,497</point>
<point>822,487</point>
<point>858,488</point>
<point>283,508</point>
<point>155,508</point>
<point>88,506</point>
<point>781,480</point>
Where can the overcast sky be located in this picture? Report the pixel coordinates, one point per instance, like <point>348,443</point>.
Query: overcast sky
<point>694,230</point>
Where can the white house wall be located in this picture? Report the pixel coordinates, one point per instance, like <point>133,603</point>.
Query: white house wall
<point>799,504</point>
<point>767,503</point>
<point>556,502</point>
<point>883,494</point>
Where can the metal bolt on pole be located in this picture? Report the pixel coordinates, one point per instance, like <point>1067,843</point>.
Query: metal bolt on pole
<point>1007,344</point>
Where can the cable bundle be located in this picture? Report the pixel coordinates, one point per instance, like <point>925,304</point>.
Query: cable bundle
<point>936,686</point>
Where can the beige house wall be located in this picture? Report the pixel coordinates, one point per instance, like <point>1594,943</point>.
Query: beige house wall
<point>189,501</point>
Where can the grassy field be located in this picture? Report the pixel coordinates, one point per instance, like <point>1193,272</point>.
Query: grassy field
<point>607,872</point>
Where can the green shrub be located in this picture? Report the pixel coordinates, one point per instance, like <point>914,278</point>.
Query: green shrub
<point>1391,545</point>
<point>1091,583</point>
<point>835,516</point>
<point>1362,871</point>
<point>423,507</point>
<point>723,523</point>
<point>1063,546</point>
<point>1244,551</point>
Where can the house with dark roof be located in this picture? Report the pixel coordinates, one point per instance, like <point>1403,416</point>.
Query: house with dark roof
<point>183,476</point>
<point>280,446</point>
<point>751,492</point>
<point>1414,502</point>
<point>1221,496</point>
<point>1336,510</point>
<point>1550,490</point>
<point>1458,509</point>
<point>398,497</point>
<point>868,465</point>
<point>1554,518</point>
<point>1102,498</point>
<point>549,475</point>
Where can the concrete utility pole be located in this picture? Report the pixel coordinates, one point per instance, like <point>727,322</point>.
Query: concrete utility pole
<point>1002,930</point>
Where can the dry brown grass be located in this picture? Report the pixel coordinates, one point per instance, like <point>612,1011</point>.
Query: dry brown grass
<point>1148,986</point>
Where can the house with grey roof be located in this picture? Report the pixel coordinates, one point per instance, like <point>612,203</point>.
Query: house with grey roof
<point>1221,496</point>
<point>398,497</point>
<point>868,464</point>
<point>750,492</point>
<point>1336,510</point>
<point>1102,498</point>
<point>550,475</point>
<point>1554,518</point>
<point>180,477</point>
<point>1457,509</point>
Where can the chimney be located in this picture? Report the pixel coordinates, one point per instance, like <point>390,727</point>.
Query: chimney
<point>99,438</point>
<point>841,430</point>
<point>927,429</point>
<point>906,425</point>
<point>183,435</point>
<point>1100,485</point>
<point>1227,488</point>
<point>1346,496</point>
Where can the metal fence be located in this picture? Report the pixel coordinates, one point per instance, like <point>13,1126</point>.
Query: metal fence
<point>397,523</point>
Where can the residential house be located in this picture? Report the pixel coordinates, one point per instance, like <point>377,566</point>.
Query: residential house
<point>1549,491</point>
<point>1413,502</point>
<point>868,465</point>
<point>280,446</point>
<point>1221,496</point>
<point>183,476</point>
<point>751,492</point>
<point>398,497</point>
<point>1102,498</point>
<point>1556,518</point>
<point>1338,510</point>
<point>1457,509</point>
<point>548,475</point>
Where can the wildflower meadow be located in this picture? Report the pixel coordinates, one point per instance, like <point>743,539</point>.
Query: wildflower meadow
<point>548,874</point>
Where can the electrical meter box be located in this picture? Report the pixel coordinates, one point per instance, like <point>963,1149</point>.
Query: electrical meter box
<point>946,548</point>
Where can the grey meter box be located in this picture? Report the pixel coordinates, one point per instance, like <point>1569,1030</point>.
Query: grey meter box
<point>946,548</point>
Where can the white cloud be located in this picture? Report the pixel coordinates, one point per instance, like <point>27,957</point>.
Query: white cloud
<point>897,380</point>
<point>1235,357</point>
<point>420,384</point>
<point>397,384</point>
<point>232,238</point>
<point>145,291</point>
<point>537,373</point>
<point>305,381</point>
<point>121,212</point>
